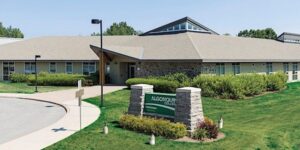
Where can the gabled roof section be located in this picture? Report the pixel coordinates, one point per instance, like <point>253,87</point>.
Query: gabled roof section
<point>185,24</point>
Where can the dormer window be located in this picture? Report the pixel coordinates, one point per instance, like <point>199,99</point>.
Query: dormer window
<point>182,25</point>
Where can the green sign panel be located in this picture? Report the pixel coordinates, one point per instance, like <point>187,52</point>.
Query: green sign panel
<point>159,104</point>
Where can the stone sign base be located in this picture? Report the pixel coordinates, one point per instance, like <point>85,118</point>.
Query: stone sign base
<point>188,104</point>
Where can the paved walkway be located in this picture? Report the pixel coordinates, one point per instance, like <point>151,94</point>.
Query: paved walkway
<point>66,126</point>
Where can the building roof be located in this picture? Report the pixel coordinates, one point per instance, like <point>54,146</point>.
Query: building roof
<point>188,46</point>
<point>191,46</point>
<point>4,40</point>
<point>50,48</point>
<point>185,24</point>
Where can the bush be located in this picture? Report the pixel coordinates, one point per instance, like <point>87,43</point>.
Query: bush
<point>59,79</point>
<point>210,127</point>
<point>276,81</point>
<point>252,84</point>
<point>18,78</point>
<point>181,78</point>
<point>158,127</point>
<point>237,87</point>
<point>159,85</point>
<point>199,134</point>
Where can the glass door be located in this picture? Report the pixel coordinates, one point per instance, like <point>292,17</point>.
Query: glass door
<point>8,69</point>
<point>131,71</point>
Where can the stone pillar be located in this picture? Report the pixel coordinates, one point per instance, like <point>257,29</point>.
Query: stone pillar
<point>137,97</point>
<point>188,108</point>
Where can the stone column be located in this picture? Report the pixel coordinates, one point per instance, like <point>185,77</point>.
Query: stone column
<point>137,97</point>
<point>188,108</point>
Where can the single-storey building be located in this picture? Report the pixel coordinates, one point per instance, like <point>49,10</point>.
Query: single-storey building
<point>180,46</point>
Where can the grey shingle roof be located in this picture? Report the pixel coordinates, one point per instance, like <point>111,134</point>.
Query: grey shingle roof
<point>184,46</point>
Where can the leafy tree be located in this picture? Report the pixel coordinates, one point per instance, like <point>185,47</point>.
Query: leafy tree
<point>227,34</point>
<point>10,32</point>
<point>120,28</point>
<point>267,33</point>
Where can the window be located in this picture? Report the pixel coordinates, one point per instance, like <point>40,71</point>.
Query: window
<point>190,26</point>
<point>220,69</point>
<point>295,69</point>
<point>176,27</point>
<point>285,67</point>
<point>88,68</point>
<point>183,26</point>
<point>69,67</point>
<point>29,67</point>
<point>269,67</point>
<point>52,67</point>
<point>236,68</point>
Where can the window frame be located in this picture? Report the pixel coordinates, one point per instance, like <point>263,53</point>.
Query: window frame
<point>55,66</point>
<point>66,68</point>
<point>220,69</point>
<point>236,68</point>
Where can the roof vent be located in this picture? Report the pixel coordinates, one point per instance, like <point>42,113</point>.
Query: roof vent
<point>289,38</point>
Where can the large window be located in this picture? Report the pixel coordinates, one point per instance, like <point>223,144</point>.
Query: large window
<point>285,67</point>
<point>269,67</point>
<point>220,68</point>
<point>88,68</point>
<point>52,67</point>
<point>236,68</point>
<point>69,67</point>
<point>29,67</point>
<point>295,71</point>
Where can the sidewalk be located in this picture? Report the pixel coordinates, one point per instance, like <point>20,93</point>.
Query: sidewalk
<point>67,125</point>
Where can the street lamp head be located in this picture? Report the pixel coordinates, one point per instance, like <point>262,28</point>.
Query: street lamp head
<point>96,21</point>
<point>37,56</point>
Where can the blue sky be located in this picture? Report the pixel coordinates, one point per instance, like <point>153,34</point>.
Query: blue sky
<point>72,17</point>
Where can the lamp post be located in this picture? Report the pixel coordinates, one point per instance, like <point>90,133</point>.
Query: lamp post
<point>99,21</point>
<point>35,68</point>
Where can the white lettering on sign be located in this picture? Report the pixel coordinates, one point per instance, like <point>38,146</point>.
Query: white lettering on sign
<point>166,100</point>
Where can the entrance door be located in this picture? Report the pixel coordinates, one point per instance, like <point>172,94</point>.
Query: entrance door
<point>131,71</point>
<point>8,69</point>
<point>295,71</point>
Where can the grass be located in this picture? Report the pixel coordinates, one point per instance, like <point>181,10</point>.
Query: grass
<point>7,87</point>
<point>267,122</point>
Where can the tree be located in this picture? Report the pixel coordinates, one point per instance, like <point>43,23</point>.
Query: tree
<point>227,34</point>
<point>120,28</point>
<point>10,32</point>
<point>267,33</point>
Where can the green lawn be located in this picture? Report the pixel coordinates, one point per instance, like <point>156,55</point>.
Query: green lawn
<point>7,87</point>
<point>271,121</point>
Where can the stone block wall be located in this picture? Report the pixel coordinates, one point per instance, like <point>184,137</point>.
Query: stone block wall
<point>137,98</point>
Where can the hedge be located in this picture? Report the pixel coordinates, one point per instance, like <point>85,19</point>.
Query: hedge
<point>240,86</point>
<point>47,79</point>
<point>159,85</point>
<point>59,79</point>
<point>226,86</point>
<point>158,127</point>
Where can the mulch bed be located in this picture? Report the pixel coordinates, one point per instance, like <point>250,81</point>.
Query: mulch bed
<point>205,140</point>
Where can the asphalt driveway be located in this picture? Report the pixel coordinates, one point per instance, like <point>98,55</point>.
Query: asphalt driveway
<point>19,117</point>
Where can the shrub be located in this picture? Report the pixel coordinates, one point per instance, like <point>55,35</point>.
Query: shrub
<point>252,84</point>
<point>181,78</point>
<point>276,81</point>
<point>199,134</point>
<point>210,127</point>
<point>159,85</point>
<point>59,79</point>
<point>159,127</point>
<point>18,77</point>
